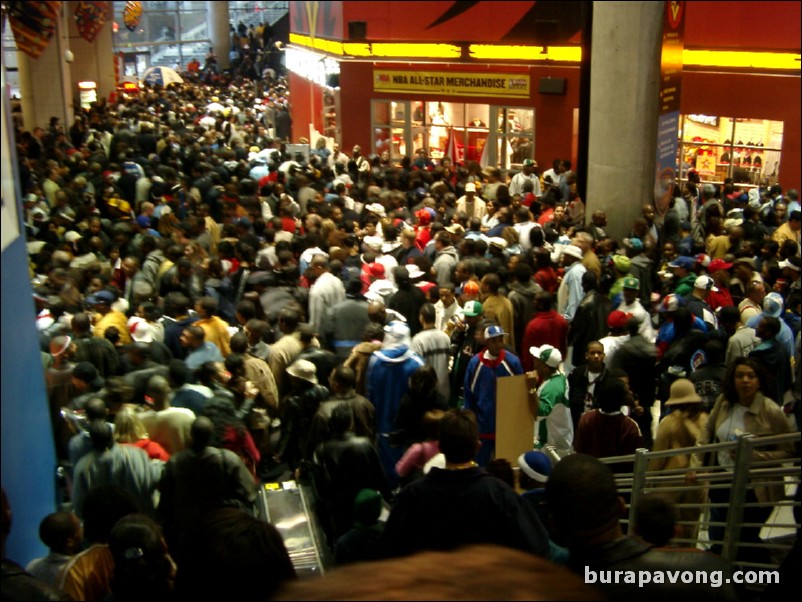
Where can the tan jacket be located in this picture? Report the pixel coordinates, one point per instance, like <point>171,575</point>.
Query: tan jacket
<point>258,372</point>
<point>763,418</point>
<point>283,353</point>
<point>677,430</point>
<point>358,362</point>
<point>784,233</point>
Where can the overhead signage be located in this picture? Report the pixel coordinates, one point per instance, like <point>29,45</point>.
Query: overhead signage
<point>668,109</point>
<point>449,83</point>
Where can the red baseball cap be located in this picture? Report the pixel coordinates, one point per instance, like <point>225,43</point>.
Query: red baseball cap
<point>377,270</point>
<point>618,319</point>
<point>718,264</point>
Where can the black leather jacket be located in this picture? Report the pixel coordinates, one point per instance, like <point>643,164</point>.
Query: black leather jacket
<point>589,324</point>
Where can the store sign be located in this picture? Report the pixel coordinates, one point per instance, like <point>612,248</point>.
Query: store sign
<point>449,83</point>
<point>668,110</point>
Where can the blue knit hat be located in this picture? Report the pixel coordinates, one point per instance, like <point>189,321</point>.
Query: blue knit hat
<point>536,465</point>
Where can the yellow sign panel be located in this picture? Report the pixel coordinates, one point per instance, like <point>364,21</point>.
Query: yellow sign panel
<point>449,83</point>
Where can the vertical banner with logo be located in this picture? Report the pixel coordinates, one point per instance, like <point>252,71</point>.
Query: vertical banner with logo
<point>668,114</point>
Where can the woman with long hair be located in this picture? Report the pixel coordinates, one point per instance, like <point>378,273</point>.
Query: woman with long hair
<point>129,430</point>
<point>744,408</point>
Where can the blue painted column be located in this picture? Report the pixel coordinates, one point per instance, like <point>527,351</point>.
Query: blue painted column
<point>28,454</point>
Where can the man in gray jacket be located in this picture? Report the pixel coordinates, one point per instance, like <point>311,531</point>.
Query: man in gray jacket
<point>446,258</point>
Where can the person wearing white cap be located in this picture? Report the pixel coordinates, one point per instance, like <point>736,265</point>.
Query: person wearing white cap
<point>377,209</point>
<point>375,244</point>
<point>471,204</point>
<point>773,308</point>
<point>527,174</point>
<point>570,293</point>
<point>696,301</point>
<point>387,381</point>
<point>554,423</point>
<point>484,369</point>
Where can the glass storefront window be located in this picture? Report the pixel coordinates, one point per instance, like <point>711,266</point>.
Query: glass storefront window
<point>381,112</point>
<point>746,150</point>
<point>428,126</point>
<point>172,33</point>
<point>515,128</point>
<point>382,141</point>
<point>399,111</point>
<point>418,113</point>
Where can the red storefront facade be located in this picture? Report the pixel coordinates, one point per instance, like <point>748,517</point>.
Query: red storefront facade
<point>524,59</point>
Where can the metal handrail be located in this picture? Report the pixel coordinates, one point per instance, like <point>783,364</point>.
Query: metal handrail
<point>744,475</point>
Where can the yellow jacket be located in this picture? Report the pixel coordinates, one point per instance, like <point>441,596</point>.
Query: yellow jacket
<point>216,330</point>
<point>116,319</point>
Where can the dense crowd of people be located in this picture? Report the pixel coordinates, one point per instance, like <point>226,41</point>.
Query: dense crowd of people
<point>216,313</point>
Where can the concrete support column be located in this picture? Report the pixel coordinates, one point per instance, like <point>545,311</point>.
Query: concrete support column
<point>625,73</point>
<point>50,92</point>
<point>29,116</point>
<point>94,61</point>
<point>217,21</point>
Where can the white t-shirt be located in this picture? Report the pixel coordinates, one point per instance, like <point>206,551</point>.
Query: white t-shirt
<point>729,431</point>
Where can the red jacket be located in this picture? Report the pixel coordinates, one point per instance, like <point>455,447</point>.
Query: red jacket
<point>720,298</point>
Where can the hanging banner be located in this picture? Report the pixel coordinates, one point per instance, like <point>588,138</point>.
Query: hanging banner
<point>33,25</point>
<point>668,112</point>
<point>450,83</point>
<point>89,18</point>
<point>132,14</point>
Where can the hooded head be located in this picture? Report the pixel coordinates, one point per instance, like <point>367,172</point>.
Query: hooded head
<point>396,334</point>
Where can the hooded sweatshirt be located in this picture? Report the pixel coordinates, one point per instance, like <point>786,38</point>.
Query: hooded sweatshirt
<point>444,265</point>
<point>389,370</point>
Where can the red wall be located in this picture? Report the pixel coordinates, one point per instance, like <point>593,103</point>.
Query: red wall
<point>553,113</point>
<point>744,25</point>
<point>751,96</point>
<point>307,106</point>
<point>483,22</point>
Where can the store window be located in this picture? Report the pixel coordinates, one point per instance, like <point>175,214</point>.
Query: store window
<point>172,33</point>
<point>169,34</point>
<point>515,128</point>
<point>746,150</point>
<point>402,128</point>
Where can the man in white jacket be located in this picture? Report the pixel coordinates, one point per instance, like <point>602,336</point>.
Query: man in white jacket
<point>327,291</point>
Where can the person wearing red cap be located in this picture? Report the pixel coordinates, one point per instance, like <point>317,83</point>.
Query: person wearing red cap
<point>720,294</point>
<point>381,288</point>
<point>617,323</point>
<point>423,230</point>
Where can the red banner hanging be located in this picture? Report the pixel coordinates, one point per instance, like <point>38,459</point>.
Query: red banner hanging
<point>33,24</point>
<point>90,18</point>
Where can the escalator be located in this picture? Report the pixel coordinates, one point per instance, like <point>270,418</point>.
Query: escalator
<point>288,507</point>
